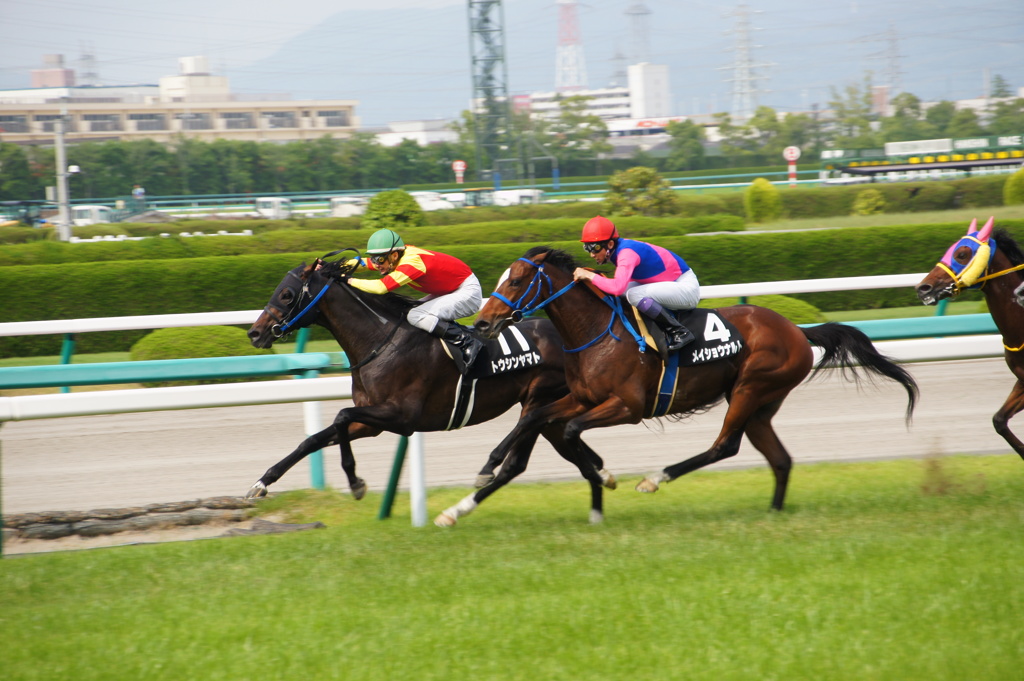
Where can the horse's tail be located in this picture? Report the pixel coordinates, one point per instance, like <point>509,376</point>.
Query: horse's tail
<point>846,347</point>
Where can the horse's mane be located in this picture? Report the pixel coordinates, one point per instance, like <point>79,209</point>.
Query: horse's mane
<point>560,259</point>
<point>394,303</point>
<point>1010,248</point>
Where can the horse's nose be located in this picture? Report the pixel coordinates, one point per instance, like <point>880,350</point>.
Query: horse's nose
<point>253,333</point>
<point>483,326</point>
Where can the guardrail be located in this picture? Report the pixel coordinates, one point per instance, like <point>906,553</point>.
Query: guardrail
<point>963,338</point>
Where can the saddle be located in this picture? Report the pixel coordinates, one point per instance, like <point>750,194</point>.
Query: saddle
<point>510,351</point>
<point>714,337</point>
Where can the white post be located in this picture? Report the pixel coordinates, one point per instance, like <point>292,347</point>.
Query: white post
<point>417,481</point>
<point>63,197</point>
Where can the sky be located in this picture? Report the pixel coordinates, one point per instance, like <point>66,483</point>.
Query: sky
<point>408,59</point>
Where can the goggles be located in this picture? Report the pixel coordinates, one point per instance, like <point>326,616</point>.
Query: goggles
<point>379,260</point>
<point>594,247</point>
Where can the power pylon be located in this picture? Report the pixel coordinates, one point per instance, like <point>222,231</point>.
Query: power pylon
<point>492,112</point>
<point>746,73</point>
<point>639,38</point>
<point>570,65</point>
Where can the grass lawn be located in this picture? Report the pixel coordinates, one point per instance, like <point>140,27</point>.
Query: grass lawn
<point>895,570</point>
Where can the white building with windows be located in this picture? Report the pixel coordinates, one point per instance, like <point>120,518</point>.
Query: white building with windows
<point>646,95</point>
<point>193,103</point>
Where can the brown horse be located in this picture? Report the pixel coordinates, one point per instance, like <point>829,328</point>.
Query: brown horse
<point>612,382</point>
<point>992,261</point>
<point>402,379</point>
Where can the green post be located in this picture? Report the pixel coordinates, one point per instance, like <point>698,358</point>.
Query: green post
<point>301,339</point>
<point>67,349</point>
<point>396,471</point>
<point>940,309</point>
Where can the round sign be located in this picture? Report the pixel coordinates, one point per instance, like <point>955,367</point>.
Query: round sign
<point>791,153</point>
<point>458,166</point>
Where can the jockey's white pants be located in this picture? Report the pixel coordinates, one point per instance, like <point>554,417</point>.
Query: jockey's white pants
<point>681,294</point>
<point>464,301</point>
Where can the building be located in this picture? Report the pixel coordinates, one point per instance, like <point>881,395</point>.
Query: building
<point>646,95</point>
<point>193,103</point>
<point>421,132</point>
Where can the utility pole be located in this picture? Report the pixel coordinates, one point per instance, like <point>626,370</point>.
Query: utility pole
<point>63,196</point>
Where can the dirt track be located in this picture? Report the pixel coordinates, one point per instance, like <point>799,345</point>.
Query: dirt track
<point>123,460</point>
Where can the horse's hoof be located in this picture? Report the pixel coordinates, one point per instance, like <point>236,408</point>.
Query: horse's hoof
<point>483,480</point>
<point>607,479</point>
<point>647,485</point>
<point>358,489</point>
<point>257,491</point>
<point>444,520</point>
<point>596,517</point>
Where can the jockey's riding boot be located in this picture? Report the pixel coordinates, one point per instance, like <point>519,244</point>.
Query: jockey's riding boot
<point>460,338</point>
<point>676,335</point>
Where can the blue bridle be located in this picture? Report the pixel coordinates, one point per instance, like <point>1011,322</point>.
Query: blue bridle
<point>279,330</point>
<point>528,303</point>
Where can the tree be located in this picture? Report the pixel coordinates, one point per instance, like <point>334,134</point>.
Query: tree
<point>940,116</point>
<point>15,175</point>
<point>577,136</point>
<point>640,191</point>
<point>906,123</point>
<point>393,209</point>
<point>1007,117</point>
<point>1000,88</point>
<point>965,123</point>
<point>853,117</point>
<point>686,146</point>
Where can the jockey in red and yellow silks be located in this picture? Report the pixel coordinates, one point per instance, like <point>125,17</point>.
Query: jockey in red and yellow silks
<point>453,291</point>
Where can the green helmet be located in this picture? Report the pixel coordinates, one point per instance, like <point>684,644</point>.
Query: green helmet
<point>384,241</point>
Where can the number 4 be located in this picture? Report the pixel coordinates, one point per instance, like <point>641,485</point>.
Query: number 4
<point>715,329</point>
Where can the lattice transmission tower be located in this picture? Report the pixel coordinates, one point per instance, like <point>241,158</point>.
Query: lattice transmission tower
<point>570,65</point>
<point>492,108</point>
<point>639,36</point>
<point>746,73</point>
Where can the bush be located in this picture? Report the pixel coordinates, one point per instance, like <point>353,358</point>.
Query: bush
<point>761,201</point>
<point>796,311</point>
<point>393,209</point>
<point>640,191</point>
<point>189,343</point>
<point>869,202</point>
<point>1013,190</point>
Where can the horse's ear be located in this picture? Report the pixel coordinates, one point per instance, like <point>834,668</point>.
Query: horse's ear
<point>973,227</point>
<point>986,232</point>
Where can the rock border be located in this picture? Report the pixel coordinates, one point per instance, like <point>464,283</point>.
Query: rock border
<point>105,521</point>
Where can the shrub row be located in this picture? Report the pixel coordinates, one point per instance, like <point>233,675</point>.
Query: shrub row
<point>302,240</point>
<point>142,287</point>
<point>800,202</point>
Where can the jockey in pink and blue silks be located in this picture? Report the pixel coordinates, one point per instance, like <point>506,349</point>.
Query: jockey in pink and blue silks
<point>653,279</point>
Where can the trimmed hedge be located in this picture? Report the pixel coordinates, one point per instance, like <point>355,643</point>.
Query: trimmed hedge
<point>114,289</point>
<point>200,341</point>
<point>300,241</point>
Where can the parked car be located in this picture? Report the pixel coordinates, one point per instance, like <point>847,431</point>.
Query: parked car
<point>83,216</point>
<point>348,206</point>
<point>274,208</point>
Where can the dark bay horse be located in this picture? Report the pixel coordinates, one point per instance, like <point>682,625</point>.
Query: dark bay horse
<point>991,260</point>
<point>611,382</point>
<point>402,379</point>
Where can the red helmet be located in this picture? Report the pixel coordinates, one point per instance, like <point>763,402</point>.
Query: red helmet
<point>599,229</point>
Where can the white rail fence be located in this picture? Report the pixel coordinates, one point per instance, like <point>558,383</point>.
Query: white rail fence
<point>17,408</point>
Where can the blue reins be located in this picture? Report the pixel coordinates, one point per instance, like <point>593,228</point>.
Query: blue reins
<point>280,330</point>
<point>520,308</point>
